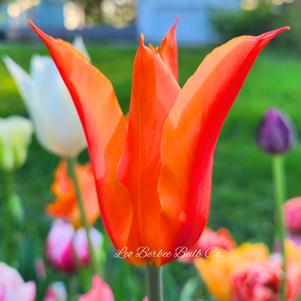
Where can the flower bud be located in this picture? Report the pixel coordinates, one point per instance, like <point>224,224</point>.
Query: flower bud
<point>15,136</point>
<point>81,246</point>
<point>66,249</point>
<point>275,133</point>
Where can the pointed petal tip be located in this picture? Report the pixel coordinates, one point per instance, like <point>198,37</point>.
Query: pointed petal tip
<point>271,34</point>
<point>141,39</point>
<point>42,35</point>
<point>175,25</point>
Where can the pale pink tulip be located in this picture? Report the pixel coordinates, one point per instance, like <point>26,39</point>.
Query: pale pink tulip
<point>12,286</point>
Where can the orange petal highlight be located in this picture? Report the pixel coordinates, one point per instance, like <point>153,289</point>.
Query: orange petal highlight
<point>191,131</point>
<point>154,91</point>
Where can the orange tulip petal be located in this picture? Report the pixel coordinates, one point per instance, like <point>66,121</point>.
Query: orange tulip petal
<point>169,49</point>
<point>105,127</point>
<point>191,132</point>
<point>154,91</point>
<point>88,191</point>
<point>66,206</point>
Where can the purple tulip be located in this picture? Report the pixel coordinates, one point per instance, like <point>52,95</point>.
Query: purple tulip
<point>275,133</point>
<point>67,247</point>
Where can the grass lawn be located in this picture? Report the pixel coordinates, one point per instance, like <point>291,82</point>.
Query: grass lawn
<point>242,197</point>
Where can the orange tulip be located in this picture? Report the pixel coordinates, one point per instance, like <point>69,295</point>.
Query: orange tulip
<point>153,169</point>
<point>65,206</point>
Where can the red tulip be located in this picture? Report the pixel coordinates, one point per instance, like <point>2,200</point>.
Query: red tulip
<point>154,168</point>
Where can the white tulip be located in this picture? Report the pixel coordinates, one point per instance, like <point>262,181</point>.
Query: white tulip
<point>57,125</point>
<point>15,136</point>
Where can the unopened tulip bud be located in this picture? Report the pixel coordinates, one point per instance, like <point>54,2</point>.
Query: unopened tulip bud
<point>81,246</point>
<point>66,248</point>
<point>15,136</point>
<point>275,133</point>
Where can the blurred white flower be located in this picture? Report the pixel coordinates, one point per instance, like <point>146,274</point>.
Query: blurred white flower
<point>12,286</point>
<point>57,125</point>
<point>56,292</point>
<point>15,136</point>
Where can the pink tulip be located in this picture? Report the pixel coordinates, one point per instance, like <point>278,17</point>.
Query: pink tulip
<point>292,214</point>
<point>66,248</point>
<point>100,291</point>
<point>81,246</point>
<point>209,242</point>
<point>12,286</point>
<point>258,282</point>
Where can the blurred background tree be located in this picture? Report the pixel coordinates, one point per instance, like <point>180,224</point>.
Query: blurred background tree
<point>257,16</point>
<point>92,9</point>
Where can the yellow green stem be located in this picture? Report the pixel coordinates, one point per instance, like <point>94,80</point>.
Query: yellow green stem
<point>279,190</point>
<point>93,260</point>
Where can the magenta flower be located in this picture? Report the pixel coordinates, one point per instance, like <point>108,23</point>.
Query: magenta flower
<point>12,286</point>
<point>66,246</point>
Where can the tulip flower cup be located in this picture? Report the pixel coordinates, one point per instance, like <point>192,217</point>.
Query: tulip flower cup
<point>153,168</point>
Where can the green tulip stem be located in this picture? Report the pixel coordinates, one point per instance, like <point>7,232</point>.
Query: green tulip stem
<point>9,184</point>
<point>72,166</point>
<point>279,191</point>
<point>154,282</point>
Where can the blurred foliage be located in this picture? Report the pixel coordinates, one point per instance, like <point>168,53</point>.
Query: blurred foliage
<point>255,21</point>
<point>264,16</point>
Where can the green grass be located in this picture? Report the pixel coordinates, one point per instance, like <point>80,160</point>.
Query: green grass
<point>242,197</point>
